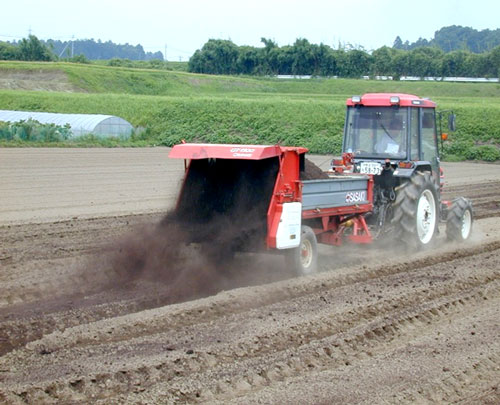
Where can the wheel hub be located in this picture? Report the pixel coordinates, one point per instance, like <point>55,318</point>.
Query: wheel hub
<point>466,224</point>
<point>426,217</point>
<point>306,253</point>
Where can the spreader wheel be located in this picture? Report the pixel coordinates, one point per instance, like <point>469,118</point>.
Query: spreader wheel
<point>304,258</point>
<point>459,220</point>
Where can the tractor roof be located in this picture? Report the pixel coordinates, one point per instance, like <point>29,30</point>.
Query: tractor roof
<point>226,151</point>
<point>389,99</point>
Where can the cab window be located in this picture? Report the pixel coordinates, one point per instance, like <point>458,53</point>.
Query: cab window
<point>429,147</point>
<point>414,123</point>
<point>378,132</point>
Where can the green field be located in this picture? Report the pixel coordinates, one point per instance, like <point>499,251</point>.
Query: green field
<point>172,105</point>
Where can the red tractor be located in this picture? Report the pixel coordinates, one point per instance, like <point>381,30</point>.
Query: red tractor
<point>394,137</point>
<point>387,184</point>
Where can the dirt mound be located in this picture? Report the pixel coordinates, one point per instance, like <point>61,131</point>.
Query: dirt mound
<point>312,172</point>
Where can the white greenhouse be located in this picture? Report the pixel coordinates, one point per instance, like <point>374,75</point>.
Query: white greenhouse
<point>81,124</point>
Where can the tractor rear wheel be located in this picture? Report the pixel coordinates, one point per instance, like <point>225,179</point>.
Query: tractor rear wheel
<point>304,258</point>
<point>459,220</point>
<point>415,211</point>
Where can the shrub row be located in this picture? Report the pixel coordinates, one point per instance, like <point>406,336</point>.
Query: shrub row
<point>310,121</point>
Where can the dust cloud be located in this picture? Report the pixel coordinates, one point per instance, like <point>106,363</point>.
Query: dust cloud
<point>194,251</point>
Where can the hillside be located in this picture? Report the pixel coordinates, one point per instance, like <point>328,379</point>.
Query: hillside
<point>119,80</point>
<point>171,106</point>
<point>456,38</point>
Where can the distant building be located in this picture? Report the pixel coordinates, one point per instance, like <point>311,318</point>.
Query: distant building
<point>449,79</point>
<point>294,76</point>
<point>81,124</point>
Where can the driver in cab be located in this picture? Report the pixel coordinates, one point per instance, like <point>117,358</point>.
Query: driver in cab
<point>390,136</point>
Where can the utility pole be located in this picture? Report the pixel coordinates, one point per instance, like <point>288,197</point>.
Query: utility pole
<point>72,46</point>
<point>165,56</point>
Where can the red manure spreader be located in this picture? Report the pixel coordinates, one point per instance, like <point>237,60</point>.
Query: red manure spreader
<point>387,184</point>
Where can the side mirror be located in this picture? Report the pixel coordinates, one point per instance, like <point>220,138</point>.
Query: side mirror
<point>452,125</point>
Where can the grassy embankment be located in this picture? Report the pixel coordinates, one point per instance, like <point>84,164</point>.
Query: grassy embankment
<point>178,105</point>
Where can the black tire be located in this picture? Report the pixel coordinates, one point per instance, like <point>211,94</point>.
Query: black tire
<point>415,211</point>
<point>459,220</point>
<point>304,258</point>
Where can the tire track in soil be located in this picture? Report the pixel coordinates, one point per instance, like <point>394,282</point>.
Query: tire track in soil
<point>485,197</point>
<point>206,372</point>
<point>430,362</point>
<point>37,247</point>
<point>24,323</point>
<point>461,386</point>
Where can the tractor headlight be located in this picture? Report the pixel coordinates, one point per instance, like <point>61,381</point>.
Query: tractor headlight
<point>394,100</point>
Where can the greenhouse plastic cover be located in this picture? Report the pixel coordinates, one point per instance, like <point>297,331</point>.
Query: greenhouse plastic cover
<point>81,124</point>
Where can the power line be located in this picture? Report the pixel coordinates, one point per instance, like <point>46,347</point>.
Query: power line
<point>65,38</point>
<point>71,39</point>
<point>181,51</point>
<point>149,46</point>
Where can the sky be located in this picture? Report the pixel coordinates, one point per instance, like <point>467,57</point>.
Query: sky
<point>183,26</point>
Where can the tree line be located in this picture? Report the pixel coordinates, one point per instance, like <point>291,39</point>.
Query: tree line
<point>456,38</point>
<point>422,58</point>
<point>219,56</point>
<point>96,50</point>
<point>454,51</point>
<point>32,48</point>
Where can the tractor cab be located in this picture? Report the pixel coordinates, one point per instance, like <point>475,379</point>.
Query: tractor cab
<point>391,130</point>
<point>394,137</point>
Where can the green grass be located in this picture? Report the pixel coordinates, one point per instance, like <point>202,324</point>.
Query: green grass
<point>142,64</point>
<point>172,106</point>
<point>105,79</point>
<point>168,120</point>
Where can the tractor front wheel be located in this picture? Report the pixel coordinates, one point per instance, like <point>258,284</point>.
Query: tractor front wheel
<point>459,220</point>
<point>304,258</point>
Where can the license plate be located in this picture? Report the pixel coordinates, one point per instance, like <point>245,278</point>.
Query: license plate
<point>370,168</point>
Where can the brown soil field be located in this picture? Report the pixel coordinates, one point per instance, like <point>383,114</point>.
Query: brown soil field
<point>373,326</point>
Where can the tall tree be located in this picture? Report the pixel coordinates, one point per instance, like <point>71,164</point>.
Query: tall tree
<point>425,62</point>
<point>218,56</point>
<point>32,49</point>
<point>8,51</point>
<point>494,62</point>
<point>454,64</point>
<point>249,60</point>
<point>303,57</point>
<point>398,43</point>
<point>383,61</point>
<point>358,63</point>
